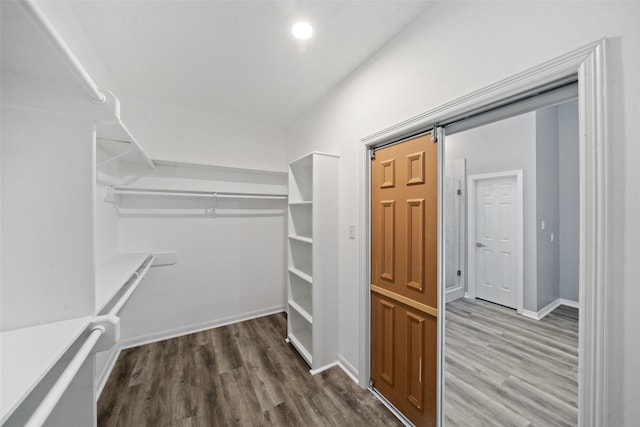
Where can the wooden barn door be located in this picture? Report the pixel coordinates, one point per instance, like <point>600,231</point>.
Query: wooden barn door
<point>404,194</point>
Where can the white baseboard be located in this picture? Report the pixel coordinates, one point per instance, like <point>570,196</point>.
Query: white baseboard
<point>569,303</point>
<point>102,378</point>
<point>323,368</point>
<point>178,332</point>
<point>453,294</point>
<point>348,368</point>
<point>343,364</point>
<point>467,295</point>
<point>549,308</point>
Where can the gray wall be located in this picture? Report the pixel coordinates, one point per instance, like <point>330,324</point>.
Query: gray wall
<point>569,239</point>
<point>547,210</point>
<point>544,144</point>
<point>506,145</point>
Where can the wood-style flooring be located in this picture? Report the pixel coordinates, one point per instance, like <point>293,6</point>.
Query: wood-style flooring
<point>238,375</point>
<point>503,369</point>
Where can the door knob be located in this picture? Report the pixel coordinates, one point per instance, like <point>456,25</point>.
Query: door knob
<point>480,245</point>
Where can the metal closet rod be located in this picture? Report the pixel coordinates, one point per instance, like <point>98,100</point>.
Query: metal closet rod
<point>125,297</point>
<point>210,194</point>
<point>48,404</point>
<point>36,13</point>
<point>50,401</point>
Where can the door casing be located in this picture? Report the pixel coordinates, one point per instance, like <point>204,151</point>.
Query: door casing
<point>587,64</point>
<point>471,227</point>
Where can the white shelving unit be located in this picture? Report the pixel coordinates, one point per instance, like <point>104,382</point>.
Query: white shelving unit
<point>313,259</point>
<point>52,115</point>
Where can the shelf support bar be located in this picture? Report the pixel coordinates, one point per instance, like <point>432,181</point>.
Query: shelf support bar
<point>116,157</point>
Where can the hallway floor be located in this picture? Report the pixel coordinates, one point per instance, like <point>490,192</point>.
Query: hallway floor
<point>503,369</point>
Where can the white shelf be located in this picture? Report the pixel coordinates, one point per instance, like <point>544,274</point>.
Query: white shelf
<point>313,258</point>
<point>300,274</point>
<point>300,340</point>
<point>301,238</point>
<point>27,356</point>
<point>116,139</point>
<point>113,274</point>
<point>302,308</point>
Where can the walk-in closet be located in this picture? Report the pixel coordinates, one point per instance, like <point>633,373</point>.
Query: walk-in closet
<point>299,212</point>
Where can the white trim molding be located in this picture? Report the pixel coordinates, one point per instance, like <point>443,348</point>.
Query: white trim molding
<point>192,329</point>
<point>540,314</point>
<point>471,226</point>
<point>587,64</point>
<point>453,294</point>
<point>348,368</point>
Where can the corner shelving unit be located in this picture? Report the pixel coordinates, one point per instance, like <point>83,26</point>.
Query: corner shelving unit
<point>313,259</point>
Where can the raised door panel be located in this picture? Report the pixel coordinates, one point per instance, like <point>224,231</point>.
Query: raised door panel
<point>415,168</point>
<point>414,325</point>
<point>418,401</point>
<point>387,239</point>
<point>387,350</point>
<point>415,244</point>
<point>388,173</point>
<point>387,341</point>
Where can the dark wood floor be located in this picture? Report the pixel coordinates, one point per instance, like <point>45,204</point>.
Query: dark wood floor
<point>503,369</point>
<point>238,375</point>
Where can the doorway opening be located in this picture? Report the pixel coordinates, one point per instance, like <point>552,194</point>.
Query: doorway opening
<point>522,251</point>
<point>587,65</point>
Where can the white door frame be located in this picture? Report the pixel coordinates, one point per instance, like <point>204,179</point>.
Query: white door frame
<point>588,63</point>
<point>471,227</point>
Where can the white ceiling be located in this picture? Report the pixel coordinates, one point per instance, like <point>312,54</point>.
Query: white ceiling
<point>238,57</point>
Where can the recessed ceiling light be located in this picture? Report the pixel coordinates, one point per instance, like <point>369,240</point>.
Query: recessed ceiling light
<point>302,30</point>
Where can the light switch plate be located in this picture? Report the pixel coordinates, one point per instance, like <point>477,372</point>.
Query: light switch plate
<point>352,231</point>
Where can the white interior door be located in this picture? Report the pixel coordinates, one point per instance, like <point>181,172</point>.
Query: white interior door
<point>496,240</point>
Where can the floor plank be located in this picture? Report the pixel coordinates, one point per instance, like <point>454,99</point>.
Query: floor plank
<point>505,369</point>
<point>238,375</point>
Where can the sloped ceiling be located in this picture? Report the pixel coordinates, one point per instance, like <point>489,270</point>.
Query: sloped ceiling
<point>238,57</point>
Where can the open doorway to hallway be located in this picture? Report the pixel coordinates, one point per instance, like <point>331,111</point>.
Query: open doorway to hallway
<point>511,339</point>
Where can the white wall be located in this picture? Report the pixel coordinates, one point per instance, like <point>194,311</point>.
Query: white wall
<point>228,269</point>
<point>170,132</point>
<point>547,210</point>
<point>515,141</point>
<point>569,204</point>
<point>458,47</point>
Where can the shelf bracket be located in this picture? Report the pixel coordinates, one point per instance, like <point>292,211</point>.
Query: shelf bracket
<point>111,331</point>
<point>110,195</point>
<point>210,212</point>
<point>116,157</point>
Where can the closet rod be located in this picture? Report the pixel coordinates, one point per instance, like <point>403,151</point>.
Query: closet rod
<point>50,401</point>
<point>36,13</point>
<point>125,297</point>
<point>218,194</point>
